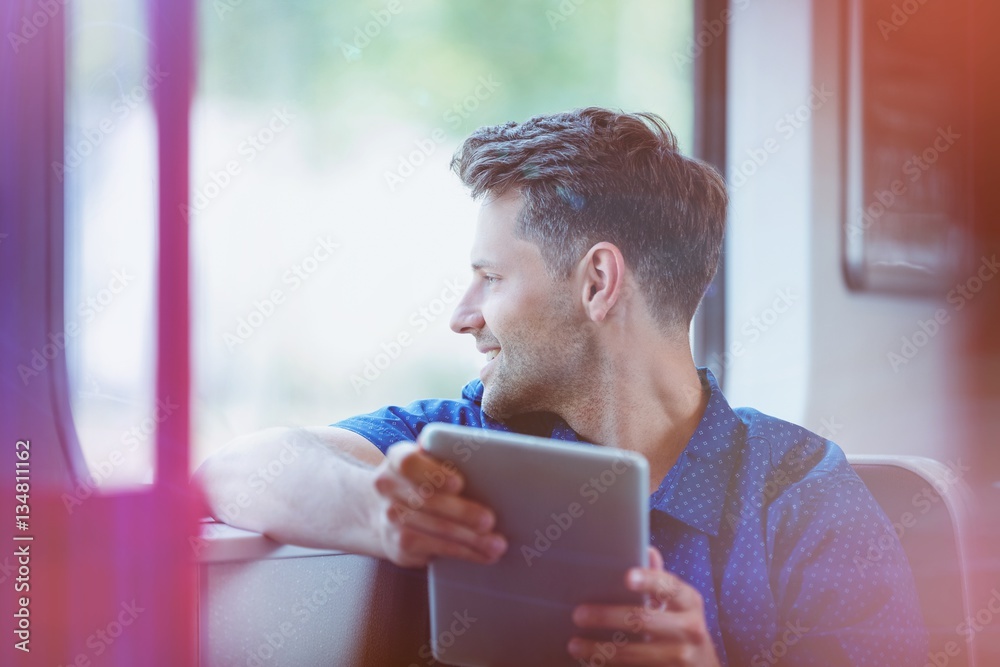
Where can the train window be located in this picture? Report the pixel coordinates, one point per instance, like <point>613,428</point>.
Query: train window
<point>109,174</point>
<point>330,240</point>
<point>327,243</point>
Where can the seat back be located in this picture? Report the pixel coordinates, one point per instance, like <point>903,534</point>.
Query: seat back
<point>929,504</point>
<point>266,604</point>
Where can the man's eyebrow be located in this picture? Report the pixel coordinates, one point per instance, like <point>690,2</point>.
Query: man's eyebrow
<point>481,264</point>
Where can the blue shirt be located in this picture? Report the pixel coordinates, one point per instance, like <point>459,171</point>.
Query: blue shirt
<point>766,519</point>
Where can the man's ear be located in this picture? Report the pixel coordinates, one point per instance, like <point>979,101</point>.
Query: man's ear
<point>603,279</point>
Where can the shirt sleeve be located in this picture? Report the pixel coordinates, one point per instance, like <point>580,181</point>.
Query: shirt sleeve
<point>387,426</point>
<point>841,602</point>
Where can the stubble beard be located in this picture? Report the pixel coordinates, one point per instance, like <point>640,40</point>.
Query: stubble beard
<point>540,377</point>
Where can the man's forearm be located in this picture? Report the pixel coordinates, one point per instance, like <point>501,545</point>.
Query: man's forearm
<point>295,488</point>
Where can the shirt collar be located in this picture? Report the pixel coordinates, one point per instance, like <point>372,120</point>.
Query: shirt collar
<point>694,491</point>
<point>542,424</point>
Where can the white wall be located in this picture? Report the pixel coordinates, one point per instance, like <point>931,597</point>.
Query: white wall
<point>823,361</point>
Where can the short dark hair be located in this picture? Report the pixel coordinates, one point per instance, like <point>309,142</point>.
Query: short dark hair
<point>592,175</point>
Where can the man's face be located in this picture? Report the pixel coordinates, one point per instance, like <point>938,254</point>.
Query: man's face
<point>531,327</point>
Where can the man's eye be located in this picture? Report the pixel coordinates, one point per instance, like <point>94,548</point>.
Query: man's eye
<point>490,279</point>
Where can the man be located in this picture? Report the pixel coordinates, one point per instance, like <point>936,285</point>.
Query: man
<point>595,242</point>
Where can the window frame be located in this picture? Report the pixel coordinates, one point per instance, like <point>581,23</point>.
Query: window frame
<point>710,114</point>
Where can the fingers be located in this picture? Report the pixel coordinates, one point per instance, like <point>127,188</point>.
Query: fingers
<point>665,590</point>
<point>686,626</point>
<point>421,483</point>
<point>415,548</point>
<point>467,512</point>
<point>420,468</point>
<point>669,629</point>
<point>423,514</point>
<point>486,548</point>
<point>620,651</point>
<point>673,610</point>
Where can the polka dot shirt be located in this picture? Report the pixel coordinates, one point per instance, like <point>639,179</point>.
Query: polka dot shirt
<point>766,519</point>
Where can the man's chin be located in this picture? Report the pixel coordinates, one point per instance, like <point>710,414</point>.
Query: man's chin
<point>492,410</point>
<point>501,403</point>
<point>496,404</point>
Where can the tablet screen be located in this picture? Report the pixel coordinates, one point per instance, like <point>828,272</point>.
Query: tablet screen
<point>575,517</point>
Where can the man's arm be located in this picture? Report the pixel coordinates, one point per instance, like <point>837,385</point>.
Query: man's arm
<point>331,488</point>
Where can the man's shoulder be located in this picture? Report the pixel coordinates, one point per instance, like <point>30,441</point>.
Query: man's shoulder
<point>762,445</point>
<point>394,423</point>
<point>470,398</point>
<point>465,409</point>
<point>790,453</point>
<point>801,480</point>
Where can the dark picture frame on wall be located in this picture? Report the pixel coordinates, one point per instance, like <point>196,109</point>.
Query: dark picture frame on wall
<point>907,140</point>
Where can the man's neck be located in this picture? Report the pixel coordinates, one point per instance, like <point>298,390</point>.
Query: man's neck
<point>647,401</point>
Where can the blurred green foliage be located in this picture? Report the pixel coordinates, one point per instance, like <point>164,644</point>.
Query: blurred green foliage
<point>416,59</point>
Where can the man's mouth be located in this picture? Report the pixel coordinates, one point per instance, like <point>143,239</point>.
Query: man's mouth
<point>491,356</point>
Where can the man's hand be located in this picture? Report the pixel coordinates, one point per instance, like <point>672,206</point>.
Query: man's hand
<point>420,513</point>
<point>671,624</point>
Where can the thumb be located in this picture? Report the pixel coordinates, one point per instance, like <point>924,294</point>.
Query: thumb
<point>655,559</point>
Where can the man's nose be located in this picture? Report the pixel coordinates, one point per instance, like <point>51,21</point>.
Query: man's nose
<point>467,317</point>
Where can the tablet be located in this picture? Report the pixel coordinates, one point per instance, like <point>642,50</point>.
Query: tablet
<point>576,518</point>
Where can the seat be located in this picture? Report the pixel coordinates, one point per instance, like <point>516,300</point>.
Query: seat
<point>268,604</point>
<point>263,603</point>
<point>929,505</point>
